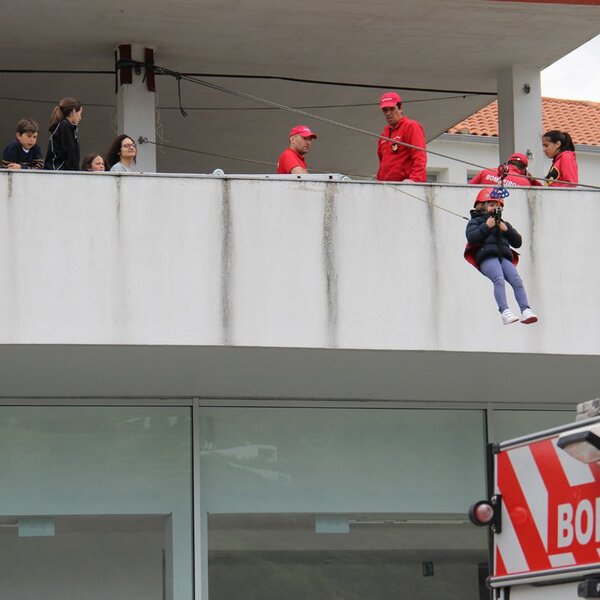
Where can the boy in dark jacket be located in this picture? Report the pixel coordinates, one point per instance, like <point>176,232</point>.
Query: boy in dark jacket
<point>24,153</point>
<point>489,250</point>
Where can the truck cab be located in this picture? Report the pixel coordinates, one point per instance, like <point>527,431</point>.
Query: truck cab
<point>543,513</point>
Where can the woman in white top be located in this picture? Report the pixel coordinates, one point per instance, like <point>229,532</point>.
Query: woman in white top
<point>121,155</point>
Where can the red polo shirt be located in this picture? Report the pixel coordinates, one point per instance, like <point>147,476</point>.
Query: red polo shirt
<point>288,160</point>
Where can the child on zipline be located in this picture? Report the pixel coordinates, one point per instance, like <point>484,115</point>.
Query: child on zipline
<point>489,250</point>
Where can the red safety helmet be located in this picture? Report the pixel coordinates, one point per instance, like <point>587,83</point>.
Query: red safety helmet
<point>485,195</point>
<point>517,156</point>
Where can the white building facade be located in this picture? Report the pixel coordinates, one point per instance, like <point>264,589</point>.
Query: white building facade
<point>223,387</point>
<point>245,386</point>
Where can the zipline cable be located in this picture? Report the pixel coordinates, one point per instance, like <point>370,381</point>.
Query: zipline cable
<point>235,108</point>
<point>433,204</point>
<point>246,76</point>
<point>143,140</point>
<point>263,162</point>
<point>308,115</point>
<point>271,105</point>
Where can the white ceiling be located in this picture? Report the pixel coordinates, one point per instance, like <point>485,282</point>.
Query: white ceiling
<point>448,45</point>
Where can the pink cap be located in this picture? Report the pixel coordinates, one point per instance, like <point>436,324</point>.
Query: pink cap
<point>304,131</point>
<point>520,157</point>
<point>389,99</point>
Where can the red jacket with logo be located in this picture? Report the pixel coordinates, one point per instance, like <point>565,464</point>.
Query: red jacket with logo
<point>512,178</point>
<point>398,162</point>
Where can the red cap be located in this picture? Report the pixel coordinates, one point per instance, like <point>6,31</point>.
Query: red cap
<point>485,195</point>
<point>304,131</point>
<point>520,157</point>
<point>389,99</point>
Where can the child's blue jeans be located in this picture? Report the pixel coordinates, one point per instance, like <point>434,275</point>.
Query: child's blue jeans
<point>498,271</point>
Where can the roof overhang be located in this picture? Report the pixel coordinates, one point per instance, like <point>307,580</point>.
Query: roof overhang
<point>455,47</point>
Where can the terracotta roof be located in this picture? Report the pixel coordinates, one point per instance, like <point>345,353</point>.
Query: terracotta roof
<point>578,117</point>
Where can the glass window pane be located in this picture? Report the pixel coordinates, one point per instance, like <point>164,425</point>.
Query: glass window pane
<point>341,503</point>
<point>257,557</point>
<point>507,424</point>
<point>341,460</point>
<point>77,466</point>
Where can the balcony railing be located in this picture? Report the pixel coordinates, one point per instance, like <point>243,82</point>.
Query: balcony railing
<point>242,261</point>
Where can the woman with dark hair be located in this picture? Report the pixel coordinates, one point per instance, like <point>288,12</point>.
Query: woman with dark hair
<point>559,146</point>
<point>63,147</point>
<point>121,154</point>
<point>93,162</point>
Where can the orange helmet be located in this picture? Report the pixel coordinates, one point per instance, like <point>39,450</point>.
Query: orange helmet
<point>485,195</point>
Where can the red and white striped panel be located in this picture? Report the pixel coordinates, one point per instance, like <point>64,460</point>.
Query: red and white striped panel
<point>550,510</point>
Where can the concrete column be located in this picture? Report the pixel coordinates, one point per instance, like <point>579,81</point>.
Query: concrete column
<point>136,113</point>
<point>520,111</point>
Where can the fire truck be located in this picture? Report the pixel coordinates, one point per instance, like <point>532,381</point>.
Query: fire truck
<point>543,514</point>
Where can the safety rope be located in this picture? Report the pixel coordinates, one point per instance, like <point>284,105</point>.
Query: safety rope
<point>143,140</point>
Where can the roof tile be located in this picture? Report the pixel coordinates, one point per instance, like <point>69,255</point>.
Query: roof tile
<point>580,118</point>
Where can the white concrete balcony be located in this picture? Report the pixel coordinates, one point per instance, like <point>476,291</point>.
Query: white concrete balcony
<point>161,261</point>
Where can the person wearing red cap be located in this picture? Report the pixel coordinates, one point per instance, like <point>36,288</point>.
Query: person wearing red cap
<point>397,161</point>
<point>515,173</point>
<point>291,160</point>
<point>489,241</point>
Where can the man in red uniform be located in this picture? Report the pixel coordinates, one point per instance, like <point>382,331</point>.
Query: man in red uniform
<point>516,173</point>
<point>292,158</point>
<point>398,162</point>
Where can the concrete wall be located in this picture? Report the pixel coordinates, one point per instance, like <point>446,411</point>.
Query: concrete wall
<point>101,259</point>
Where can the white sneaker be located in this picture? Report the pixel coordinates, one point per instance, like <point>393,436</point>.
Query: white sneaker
<point>528,317</point>
<point>508,317</point>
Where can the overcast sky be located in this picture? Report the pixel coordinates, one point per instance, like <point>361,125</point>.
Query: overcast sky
<point>576,76</point>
